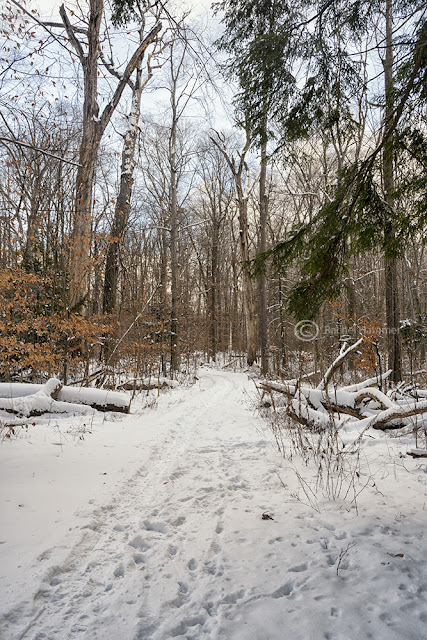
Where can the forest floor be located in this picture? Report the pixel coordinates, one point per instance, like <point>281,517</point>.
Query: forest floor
<point>150,526</point>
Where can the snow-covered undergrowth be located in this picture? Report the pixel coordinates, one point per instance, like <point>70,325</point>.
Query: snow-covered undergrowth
<point>184,521</point>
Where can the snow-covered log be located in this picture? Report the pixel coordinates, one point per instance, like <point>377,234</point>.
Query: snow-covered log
<point>393,417</point>
<point>40,402</point>
<point>418,453</point>
<point>35,399</point>
<point>378,380</point>
<point>146,384</point>
<point>100,399</point>
<point>359,406</point>
<point>376,395</point>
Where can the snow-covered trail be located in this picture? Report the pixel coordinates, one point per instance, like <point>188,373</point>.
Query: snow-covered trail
<point>179,549</point>
<point>156,546</point>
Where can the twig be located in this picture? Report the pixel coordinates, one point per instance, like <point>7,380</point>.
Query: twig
<point>133,323</point>
<point>343,553</point>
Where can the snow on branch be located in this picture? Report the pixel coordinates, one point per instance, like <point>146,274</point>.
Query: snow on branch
<point>344,353</point>
<point>356,407</point>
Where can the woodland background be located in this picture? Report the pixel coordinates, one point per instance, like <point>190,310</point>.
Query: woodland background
<point>150,151</point>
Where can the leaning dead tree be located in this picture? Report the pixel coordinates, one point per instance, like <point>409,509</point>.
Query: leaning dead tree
<point>359,406</point>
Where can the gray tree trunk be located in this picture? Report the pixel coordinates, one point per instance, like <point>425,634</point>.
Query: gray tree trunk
<point>263,339</point>
<point>94,125</point>
<point>174,361</point>
<point>391,284</point>
<point>122,209</point>
<point>242,204</point>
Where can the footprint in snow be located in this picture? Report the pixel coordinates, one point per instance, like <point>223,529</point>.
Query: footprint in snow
<point>183,626</point>
<point>43,556</point>
<point>233,598</point>
<point>119,571</point>
<point>299,568</point>
<point>139,543</point>
<point>216,547</point>
<point>192,564</point>
<point>138,558</point>
<point>284,590</point>
<point>158,527</point>
<point>341,536</point>
<point>332,560</point>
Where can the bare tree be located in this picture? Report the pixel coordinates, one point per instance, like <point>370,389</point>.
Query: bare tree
<point>238,168</point>
<point>95,122</point>
<point>123,201</point>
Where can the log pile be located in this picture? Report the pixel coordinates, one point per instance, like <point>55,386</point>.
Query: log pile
<point>359,406</point>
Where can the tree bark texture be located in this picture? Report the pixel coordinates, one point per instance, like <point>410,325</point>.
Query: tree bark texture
<point>391,285</point>
<point>174,360</point>
<point>242,205</point>
<point>122,209</point>
<point>263,339</point>
<point>94,125</point>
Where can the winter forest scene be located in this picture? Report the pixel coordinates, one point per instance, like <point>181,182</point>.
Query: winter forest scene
<point>213,320</point>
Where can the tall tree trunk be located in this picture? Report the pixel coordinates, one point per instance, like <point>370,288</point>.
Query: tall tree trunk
<point>214,288</point>
<point>94,125</point>
<point>242,204</point>
<point>122,209</point>
<point>391,285</point>
<point>91,137</point>
<point>174,361</point>
<point>262,247</point>
<point>163,286</point>
<point>248,290</point>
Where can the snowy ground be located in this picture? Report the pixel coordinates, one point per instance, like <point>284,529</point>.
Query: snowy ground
<point>149,527</point>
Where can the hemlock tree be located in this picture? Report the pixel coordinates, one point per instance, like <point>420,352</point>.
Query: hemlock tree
<point>363,211</point>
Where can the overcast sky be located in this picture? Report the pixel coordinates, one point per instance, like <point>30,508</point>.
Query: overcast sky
<point>49,8</point>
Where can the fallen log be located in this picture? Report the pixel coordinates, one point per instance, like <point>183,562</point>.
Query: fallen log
<point>367,383</point>
<point>42,401</point>
<point>34,399</point>
<point>322,407</point>
<point>376,395</point>
<point>145,385</point>
<point>396,413</point>
<point>418,453</point>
